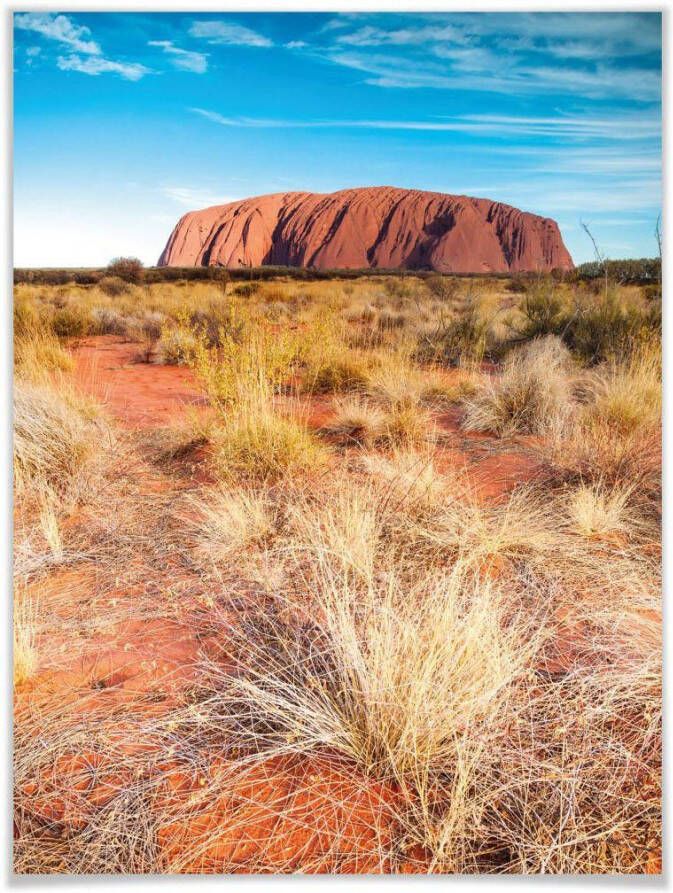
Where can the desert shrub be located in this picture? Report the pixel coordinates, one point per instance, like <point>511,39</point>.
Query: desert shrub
<point>148,329</point>
<point>277,293</point>
<point>462,338</point>
<point>607,329</point>
<point>446,288</point>
<point>517,285</point>
<point>399,287</point>
<point>106,321</point>
<point>595,329</point>
<point>531,394</point>
<point>219,323</point>
<point>261,356</point>
<point>247,289</point>
<point>129,269</point>
<point>70,322</point>
<point>113,286</point>
<point>544,311</point>
<point>178,345</point>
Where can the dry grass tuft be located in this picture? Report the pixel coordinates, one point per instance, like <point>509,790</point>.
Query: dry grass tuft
<point>231,521</point>
<point>52,437</point>
<point>532,393</point>
<point>356,420</point>
<point>598,511</point>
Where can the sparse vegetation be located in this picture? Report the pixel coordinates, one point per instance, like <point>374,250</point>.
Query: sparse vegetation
<point>373,587</point>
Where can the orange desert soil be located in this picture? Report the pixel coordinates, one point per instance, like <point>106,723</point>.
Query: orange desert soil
<point>139,395</point>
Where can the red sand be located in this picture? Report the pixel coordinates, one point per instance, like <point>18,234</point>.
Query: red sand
<point>137,394</point>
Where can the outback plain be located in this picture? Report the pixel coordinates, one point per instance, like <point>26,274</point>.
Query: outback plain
<point>337,573</point>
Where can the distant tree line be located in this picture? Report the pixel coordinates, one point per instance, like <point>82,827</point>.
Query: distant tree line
<point>631,270</point>
<point>131,270</point>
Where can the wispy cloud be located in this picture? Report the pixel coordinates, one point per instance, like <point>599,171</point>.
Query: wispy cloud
<point>185,60</point>
<point>630,127</point>
<point>477,71</point>
<point>217,31</point>
<point>95,65</point>
<point>581,35</point>
<point>190,197</point>
<point>580,54</point>
<point>59,28</point>
<point>371,36</point>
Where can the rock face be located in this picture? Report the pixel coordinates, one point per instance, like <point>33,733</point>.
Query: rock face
<point>379,227</point>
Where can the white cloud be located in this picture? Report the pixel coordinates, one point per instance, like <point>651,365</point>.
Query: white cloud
<point>616,128</point>
<point>373,36</point>
<point>59,28</point>
<point>477,71</point>
<point>568,53</point>
<point>585,35</point>
<point>194,198</point>
<point>95,65</point>
<point>216,31</point>
<point>217,118</point>
<point>31,52</point>
<point>295,44</point>
<point>186,60</point>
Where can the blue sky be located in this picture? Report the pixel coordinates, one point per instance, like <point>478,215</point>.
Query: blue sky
<point>122,122</point>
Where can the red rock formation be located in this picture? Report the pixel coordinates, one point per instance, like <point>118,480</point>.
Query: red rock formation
<point>372,227</point>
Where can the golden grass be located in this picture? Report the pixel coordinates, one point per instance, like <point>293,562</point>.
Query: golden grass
<point>24,650</point>
<point>230,521</point>
<point>531,394</point>
<point>255,440</point>
<point>598,511</point>
<point>52,437</point>
<point>356,420</point>
<point>628,395</point>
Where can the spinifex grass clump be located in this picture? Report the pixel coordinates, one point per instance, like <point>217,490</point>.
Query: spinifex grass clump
<point>52,437</point>
<point>532,393</point>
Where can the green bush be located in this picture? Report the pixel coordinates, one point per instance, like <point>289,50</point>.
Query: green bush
<point>130,269</point>
<point>595,329</point>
